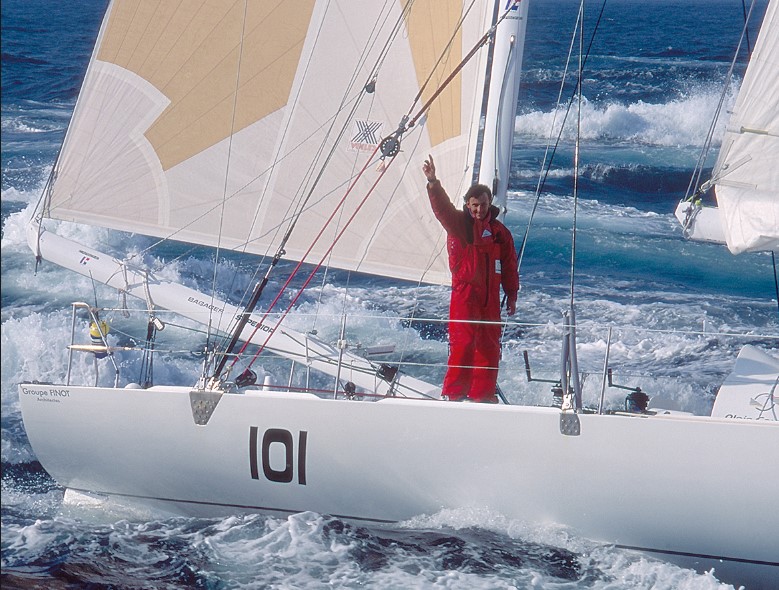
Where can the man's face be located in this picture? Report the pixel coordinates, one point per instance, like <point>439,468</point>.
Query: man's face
<point>479,206</point>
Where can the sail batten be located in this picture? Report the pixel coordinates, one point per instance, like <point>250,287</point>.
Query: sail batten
<point>210,122</point>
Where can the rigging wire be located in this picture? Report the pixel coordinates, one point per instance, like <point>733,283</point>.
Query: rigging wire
<point>569,377</point>
<point>440,59</point>
<point>369,84</point>
<point>298,266</point>
<point>550,152</point>
<point>546,164</point>
<point>332,245</point>
<point>371,78</point>
<point>776,280</point>
<point>478,45</point>
<point>577,151</point>
<point>303,203</point>
<point>695,188</point>
<point>746,19</point>
<point>227,172</point>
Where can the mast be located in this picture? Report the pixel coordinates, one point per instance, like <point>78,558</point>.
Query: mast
<point>502,101</point>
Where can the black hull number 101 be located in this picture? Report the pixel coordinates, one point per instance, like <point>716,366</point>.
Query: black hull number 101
<point>281,437</point>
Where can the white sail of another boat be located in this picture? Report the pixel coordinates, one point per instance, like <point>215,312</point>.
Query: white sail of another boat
<point>746,175</point>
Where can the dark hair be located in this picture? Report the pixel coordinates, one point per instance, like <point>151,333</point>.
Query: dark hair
<point>476,190</point>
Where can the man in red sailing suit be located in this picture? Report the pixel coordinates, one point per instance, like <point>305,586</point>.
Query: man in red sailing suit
<point>481,258</point>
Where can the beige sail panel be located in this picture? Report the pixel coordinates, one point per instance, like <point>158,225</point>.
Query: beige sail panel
<point>156,40</point>
<point>274,38</point>
<point>429,40</point>
<point>196,61</point>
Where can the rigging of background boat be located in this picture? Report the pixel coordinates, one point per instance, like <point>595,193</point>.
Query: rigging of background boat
<point>288,459</point>
<point>744,180</point>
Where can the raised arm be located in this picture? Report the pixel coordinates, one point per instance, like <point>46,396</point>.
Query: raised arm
<point>429,169</point>
<point>443,209</point>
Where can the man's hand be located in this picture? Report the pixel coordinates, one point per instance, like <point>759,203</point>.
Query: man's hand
<point>511,306</point>
<point>429,169</point>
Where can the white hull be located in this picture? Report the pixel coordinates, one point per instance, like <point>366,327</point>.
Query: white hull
<point>703,225</point>
<point>676,484</point>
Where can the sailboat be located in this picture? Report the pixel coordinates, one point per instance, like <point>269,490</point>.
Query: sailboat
<point>745,179</point>
<point>295,132</point>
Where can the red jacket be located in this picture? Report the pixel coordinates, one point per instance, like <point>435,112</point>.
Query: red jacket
<point>481,256</point>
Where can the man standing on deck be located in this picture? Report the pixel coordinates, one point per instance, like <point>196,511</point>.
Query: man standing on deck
<point>481,259</point>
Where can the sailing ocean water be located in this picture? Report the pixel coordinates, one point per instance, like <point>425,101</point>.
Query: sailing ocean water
<point>653,79</point>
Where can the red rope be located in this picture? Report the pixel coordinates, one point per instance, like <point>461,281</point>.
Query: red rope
<point>321,261</point>
<point>308,251</point>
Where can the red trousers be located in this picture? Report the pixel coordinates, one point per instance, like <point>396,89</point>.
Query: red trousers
<point>474,353</point>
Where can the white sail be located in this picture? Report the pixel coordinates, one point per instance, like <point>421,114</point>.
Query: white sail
<point>746,175</point>
<point>210,122</point>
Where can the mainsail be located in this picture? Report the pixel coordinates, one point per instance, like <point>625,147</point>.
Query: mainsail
<point>212,121</point>
<point>746,176</point>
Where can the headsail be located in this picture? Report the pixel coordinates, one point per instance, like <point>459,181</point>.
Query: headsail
<point>210,121</point>
<point>746,175</point>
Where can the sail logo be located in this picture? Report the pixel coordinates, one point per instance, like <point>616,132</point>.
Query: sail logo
<point>256,324</point>
<point>205,304</point>
<point>366,136</point>
<point>87,256</point>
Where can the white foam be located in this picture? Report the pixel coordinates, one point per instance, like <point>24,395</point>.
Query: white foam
<point>683,121</point>
<point>618,567</point>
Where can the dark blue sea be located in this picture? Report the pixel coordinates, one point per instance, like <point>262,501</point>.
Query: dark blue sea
<point>681,310</point>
